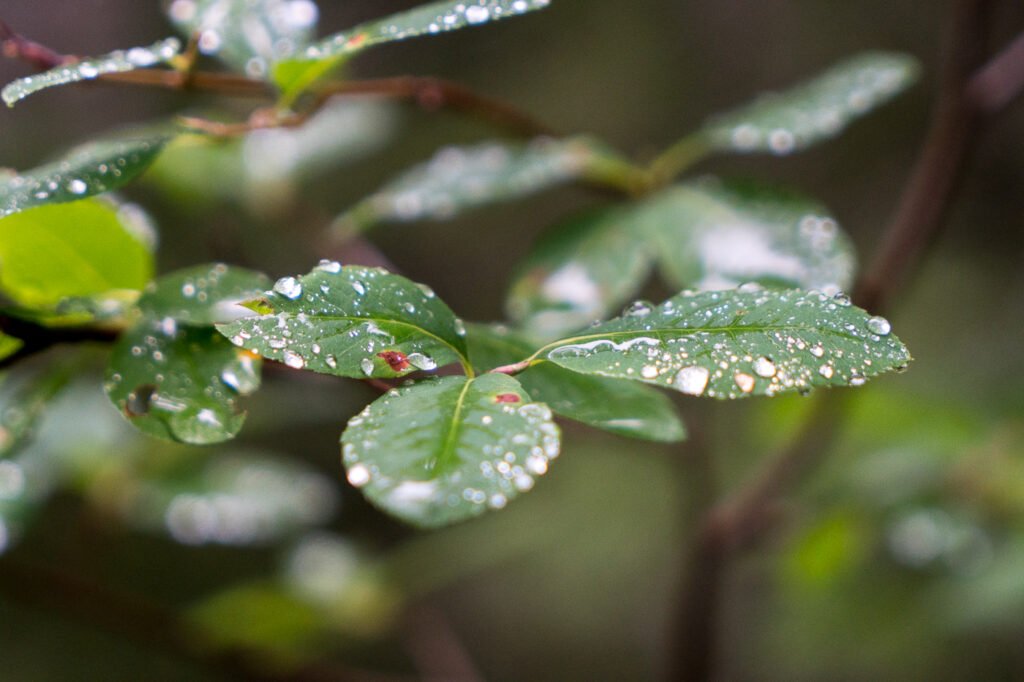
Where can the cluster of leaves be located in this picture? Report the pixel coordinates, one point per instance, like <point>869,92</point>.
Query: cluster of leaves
<point>761,271</point>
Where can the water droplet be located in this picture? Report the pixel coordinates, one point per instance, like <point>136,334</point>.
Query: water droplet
<point>477,14</point>
<point>294,360</point>
<point>649,371</point>
<point>841,299</point>
<point>857,379</point>
<point>188,290</point>
<point>745,382</point>
<point>460,327</point>
<point>331,361</point>
<point>88,71</point>
<point>692,380</point>
<point>331,266</point>
<point>763,367</point>
<point>637,309</point>
<point>358,475</point>
<point>826,371</point>
<point>77,186</point>
<point>781,141</point>
<point>421,361</point>
<point>359,287</point>
<point>366,364</point>
<point>288,287</point>
<point>879,325</point>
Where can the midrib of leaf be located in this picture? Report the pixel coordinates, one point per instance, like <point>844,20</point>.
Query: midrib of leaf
<point>448,453</point>
<point>731,330</point>
<point>463,359</point>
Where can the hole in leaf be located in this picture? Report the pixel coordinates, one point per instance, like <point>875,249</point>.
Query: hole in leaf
<point>137,403</point>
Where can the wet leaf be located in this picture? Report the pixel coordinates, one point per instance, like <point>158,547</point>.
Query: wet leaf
<point>623,407</point>
<point>434,17</point>
<point>69,250</point>
<point>243,498</point>
<point>460,178</point>
<point>202,295</point>
<point>352,321</point>
<point>88,170</point>
<point>249,35</point>
<point>180,382</point>
<point>445,450</point>
<point>714,235</point>
<point>731,344</point>
<point>789,121</point>
<point>580,272</point>
<point>93,67</point>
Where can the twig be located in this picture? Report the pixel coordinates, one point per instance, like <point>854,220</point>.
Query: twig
<point>1001,80</point>
<point>15,46</point>
<point>929,190</point>
<point>432,94</point>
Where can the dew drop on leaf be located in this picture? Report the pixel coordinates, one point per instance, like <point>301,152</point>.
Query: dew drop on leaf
<point>288,287</point>
<point>879,325</point>
<point>692,380</point>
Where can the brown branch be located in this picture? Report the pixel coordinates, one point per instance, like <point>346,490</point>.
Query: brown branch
<point>15,46</point>
<point>929,191</point>
<point>1001,80</point>
<point>432,94</point>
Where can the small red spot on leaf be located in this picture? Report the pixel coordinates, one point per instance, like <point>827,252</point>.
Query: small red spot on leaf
<point>396,360</point>
<point>506,398</point>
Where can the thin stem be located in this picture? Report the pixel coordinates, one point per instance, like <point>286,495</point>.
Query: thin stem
<point>677,158</point>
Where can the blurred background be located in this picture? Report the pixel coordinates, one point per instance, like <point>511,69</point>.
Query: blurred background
<point>901,557</point>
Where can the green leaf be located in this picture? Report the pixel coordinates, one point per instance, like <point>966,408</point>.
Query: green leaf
<point>202,295</point>
<point>730,344</point>
<point>93,67</point>
<point>260,617</point>
<point>249,35</point>
<point>461,178</point>
<point>789,121</point>
<point>445,450</point>
<point>713,235</point>
<point>9,345</point>
<point>623,407</point>
<point>180,383</point>
<point>66,250</point>
<point>88,170</point>
<point>353,322</point>
<point>435,17</point>
<point>579,272</point>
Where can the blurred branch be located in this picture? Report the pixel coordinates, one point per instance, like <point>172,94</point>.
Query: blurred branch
<point>430,94</point>
<point>37,586</point>
<point>37,338</point>
<point>956,123</point>
<point>740,520</point>
<point>14,46</point>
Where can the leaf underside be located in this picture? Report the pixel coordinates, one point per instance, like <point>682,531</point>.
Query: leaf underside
<point>616,405</point>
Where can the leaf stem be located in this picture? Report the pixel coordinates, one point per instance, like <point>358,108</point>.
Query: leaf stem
<point>680,156</point>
